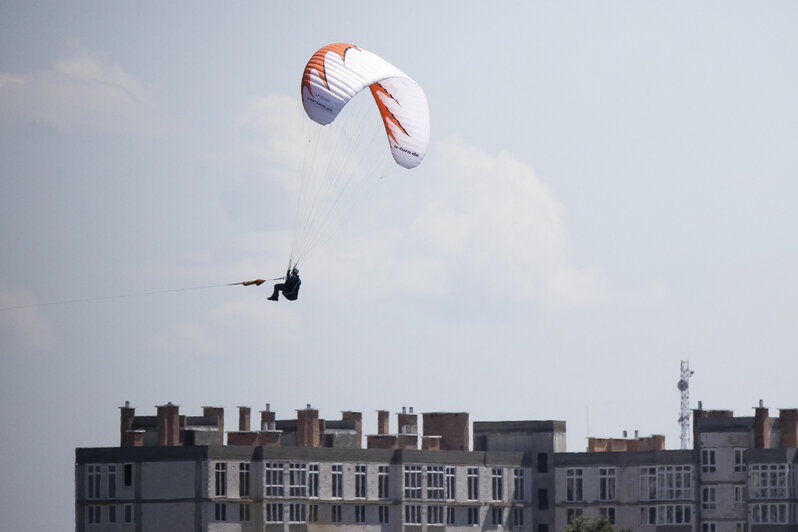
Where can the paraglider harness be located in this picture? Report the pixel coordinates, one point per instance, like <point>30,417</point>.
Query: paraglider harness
<point>291,285</point>
<point>289,288</point>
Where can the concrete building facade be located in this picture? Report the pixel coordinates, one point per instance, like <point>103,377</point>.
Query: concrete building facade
<point>739,477</point>
<point>174,472</point>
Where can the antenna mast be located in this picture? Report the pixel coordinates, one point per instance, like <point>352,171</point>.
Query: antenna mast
<point>684,414</point>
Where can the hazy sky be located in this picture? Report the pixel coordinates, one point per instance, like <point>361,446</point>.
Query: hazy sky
<point>610,188</point>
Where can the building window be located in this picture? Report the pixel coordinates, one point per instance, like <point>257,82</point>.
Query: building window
<point>360,481</point>
<point>739,496</point>
<point>298,480</point>
<point>497,483</point>
<point>383,482</point>
<point>360,514</point>
<point>543,528</point>
<point>93,479</point>
<point>243,480</point>
<point>220,511</point>
<point>708,501</point>
<point>244,513</point>
<point>674,482</point>
<point>335,513</point>
<point>739,461</point>
<point>740,526</point>
<point>648,483</point>
<point>608,513</point>
<point>297,512</point>
<point>573,485</point>
<point>275,482</point>
<point>543,499</point>
<point>274,512</point>
<point>496,515</point>
<point>543,462</point>
<point>708,461</point>
<point>772,514</point>
<point>435,515</point>
<point>572,513</point>
<point>435,482</point>
<point>313,480</point>
<point>112,482</point>
<point>313,513</point>
<point>518,517</point>
<point>518,484</point>
<point>384,514</point>
<point>709,527</point>
<point>607,484</point>
<point>112,514</point>
<point>412,482</point>
<point>221,479</point>
<point>473,483</point>
<point>128,513</point>
<point>674,514</point>
<point>413,514</point>
<point>450,483</point>
<point>770,481</point>
<point>648,515</point>
<point>473,515</point>
<point>450,515</point>
<point>94,514</point>
<point>128,474</point>
<point>337,481</point>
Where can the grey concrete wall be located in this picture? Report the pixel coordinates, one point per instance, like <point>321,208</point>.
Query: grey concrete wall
<point>172,517</point>
<point>168,480</point>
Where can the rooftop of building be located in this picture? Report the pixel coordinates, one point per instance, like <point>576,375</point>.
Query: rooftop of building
<point>428,431</point>
<point>519,426</point>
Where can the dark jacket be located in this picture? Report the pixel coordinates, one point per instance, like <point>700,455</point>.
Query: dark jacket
<point>290,288</point>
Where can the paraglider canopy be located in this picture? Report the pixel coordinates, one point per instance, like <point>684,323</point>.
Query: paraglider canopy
<point>345,150</point>
<point>337,72</point>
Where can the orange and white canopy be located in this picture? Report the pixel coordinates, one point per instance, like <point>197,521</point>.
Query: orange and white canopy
<point>337,72</point>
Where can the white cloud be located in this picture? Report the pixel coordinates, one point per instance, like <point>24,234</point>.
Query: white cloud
<point>574,287</point>
<point>493,216</point>
<point>21,320</point>
<point>271,128</point>
<point>485,219</point>
<point>82,90</point>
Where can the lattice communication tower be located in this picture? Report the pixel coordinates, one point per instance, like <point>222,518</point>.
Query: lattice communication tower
<point>684,414</point>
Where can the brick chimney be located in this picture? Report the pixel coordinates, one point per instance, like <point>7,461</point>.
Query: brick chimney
<point>267,418</point>
<point>168,424</point>
<point>720,414</point>
<point>243,419</point>
<point>761,427</point>
<point>451,427</point>
<point>408,422</point>
<point>126,414</point>
<point>308,433</point>
<point>218,413</point>
<point>788,428</point>
<point>698,413</point>
<point>383,421</point>
<point>431,443</point>
<point>357,417</point>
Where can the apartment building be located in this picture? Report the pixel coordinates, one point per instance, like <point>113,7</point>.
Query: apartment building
<point>739,477</point>
<point>171,472</point>
<point>174,472</point>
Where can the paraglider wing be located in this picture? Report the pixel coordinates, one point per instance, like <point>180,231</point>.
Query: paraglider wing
<point>337,72</point>
<point>344,152</point>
